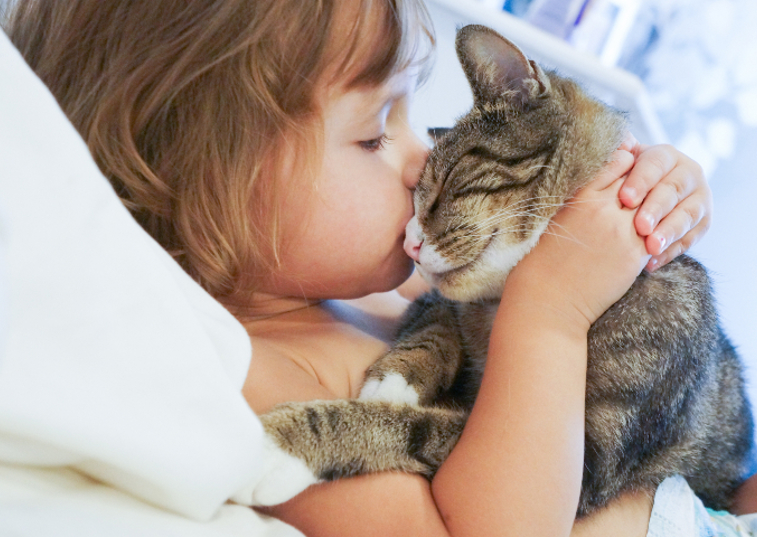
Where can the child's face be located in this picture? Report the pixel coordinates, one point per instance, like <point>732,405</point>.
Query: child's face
<point>344,238</point>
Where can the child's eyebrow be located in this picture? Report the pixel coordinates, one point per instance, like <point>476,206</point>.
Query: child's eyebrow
<point>389,97</point>
<point>374,107</point>
<point>393,90</point>
<point>377,101</point>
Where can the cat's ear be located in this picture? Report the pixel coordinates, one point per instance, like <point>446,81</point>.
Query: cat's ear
<point>497,69</point>
<point>436,133</point>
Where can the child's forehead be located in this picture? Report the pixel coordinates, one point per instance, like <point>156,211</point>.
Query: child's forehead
<point>374,98</point>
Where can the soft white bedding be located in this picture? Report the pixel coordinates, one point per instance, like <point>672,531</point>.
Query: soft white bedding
<point>120,405</point>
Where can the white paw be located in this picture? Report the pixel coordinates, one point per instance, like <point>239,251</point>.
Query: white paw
<point>393,387</point>
<point>284,476</point>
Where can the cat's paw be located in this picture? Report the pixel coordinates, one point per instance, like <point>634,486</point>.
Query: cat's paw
<point>393,387</point>
<point>284,476</point>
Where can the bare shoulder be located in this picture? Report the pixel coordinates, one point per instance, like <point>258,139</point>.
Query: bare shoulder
<point>275,377</point>
<point>319,353</point>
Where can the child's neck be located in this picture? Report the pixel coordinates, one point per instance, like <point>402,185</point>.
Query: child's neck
<point>268,306</point>
<point>376,315</point>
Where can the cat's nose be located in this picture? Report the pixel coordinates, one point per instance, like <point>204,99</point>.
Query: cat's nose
<point>413,249</point>
<point>413,240</point>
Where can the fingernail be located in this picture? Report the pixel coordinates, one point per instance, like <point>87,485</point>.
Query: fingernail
<point>663,243</point>
<point>649,219</point>
<point>630,194</point>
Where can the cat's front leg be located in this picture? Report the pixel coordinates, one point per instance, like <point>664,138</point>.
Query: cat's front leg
<point>326,440</point>
<point>424,361</point>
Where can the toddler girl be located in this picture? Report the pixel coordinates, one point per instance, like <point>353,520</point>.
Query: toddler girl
<point>265,144</point>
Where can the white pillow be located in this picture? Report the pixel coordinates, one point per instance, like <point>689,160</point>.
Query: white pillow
<point>114,362</point>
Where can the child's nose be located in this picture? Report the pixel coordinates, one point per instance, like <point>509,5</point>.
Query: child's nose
<point>413,240</point>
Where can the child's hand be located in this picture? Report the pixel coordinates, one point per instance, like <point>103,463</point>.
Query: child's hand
<point>591,253</point>
<point>675,200</point>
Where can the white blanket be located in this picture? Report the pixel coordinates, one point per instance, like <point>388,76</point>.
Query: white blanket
<point>120,404</point>
<point>678,512</point>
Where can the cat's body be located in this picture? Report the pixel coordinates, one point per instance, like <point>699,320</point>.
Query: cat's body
<point>664,390</point>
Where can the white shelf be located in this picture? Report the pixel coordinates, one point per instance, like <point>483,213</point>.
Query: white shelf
<point>616,86</point>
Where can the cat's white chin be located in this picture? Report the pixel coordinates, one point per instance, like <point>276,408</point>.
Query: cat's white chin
<point>484,279</point>
<point>473,285</point>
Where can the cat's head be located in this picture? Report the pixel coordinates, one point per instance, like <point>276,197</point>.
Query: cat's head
<point>493,182</point>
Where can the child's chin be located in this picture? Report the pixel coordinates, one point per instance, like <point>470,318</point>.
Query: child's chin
<point>398,276</point>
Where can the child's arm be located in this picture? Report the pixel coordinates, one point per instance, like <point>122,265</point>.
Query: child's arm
<point>400,505</point>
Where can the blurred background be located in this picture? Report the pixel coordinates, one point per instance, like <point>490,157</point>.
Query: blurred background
<point>685,70</point>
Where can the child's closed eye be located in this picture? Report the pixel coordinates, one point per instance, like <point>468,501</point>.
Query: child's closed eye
<point>375,143</point>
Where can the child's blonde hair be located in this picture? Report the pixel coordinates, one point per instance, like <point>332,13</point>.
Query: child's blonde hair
<point>187,105</point>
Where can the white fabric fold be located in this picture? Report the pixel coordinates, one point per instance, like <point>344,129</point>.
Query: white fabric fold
<point>113,362</point>
<point>60,502</point>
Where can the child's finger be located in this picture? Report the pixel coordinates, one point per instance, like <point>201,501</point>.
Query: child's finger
<point>651,166</point>
<point>678,224</point>
<point>678,247</point>
<point>666,197</point>
<point>619,165</point>
<point>630,144</point>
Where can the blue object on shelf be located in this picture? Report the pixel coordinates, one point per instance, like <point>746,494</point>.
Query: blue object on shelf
<point>519,8</point>
<point>557,17</point>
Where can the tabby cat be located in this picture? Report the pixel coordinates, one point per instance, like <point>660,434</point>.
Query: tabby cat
<point>664,386</point>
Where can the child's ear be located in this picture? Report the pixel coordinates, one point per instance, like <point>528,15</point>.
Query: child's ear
<point>436,133</point>
<point>496,69</point>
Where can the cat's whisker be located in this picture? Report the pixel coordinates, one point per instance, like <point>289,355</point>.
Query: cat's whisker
<point>565,235</point>
<point>502,217</point>
<point>572,202</point>
<point>502,231</point>
<point>521,210</point>
<point>572,239</point>
<point>540,202</point>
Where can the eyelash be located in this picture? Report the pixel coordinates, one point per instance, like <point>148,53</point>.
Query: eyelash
<point>376,143</point>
